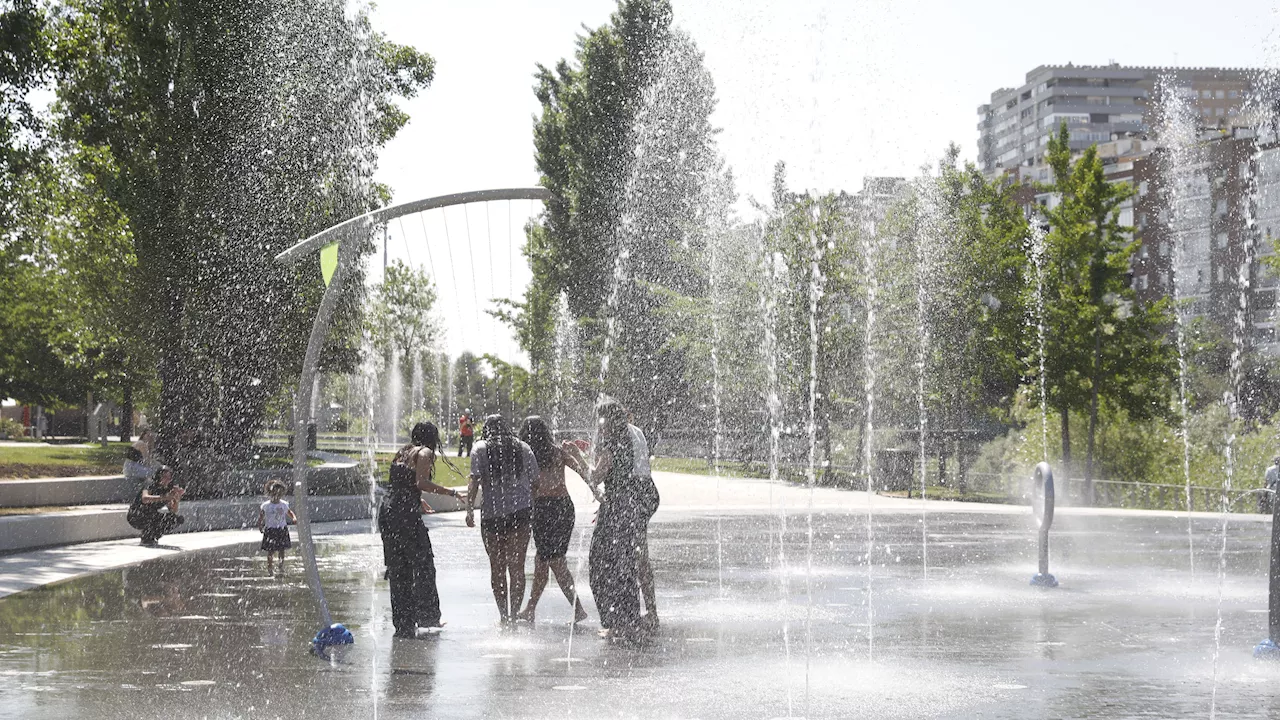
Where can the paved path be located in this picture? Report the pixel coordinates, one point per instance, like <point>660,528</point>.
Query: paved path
<point>23,571</point>
<point>680,494</point>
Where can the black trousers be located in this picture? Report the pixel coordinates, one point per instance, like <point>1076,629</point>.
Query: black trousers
<point>154,525</point>
<point>465,441</point>
<point>411,569</point>
<point>614,562</point>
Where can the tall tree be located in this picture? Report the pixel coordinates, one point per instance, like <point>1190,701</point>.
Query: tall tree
<point>1103,346</point>
<point>234,131</point>
<point>625,144</point>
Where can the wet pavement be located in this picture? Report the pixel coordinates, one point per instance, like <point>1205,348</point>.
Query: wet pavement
<point>753,626</point>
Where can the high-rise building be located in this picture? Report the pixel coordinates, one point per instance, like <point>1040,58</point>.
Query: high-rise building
<point>1098,104</point>
<point>1214,245</point>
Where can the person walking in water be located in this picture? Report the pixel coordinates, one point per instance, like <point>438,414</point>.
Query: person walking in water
<point>503,470</point>
<point>406,544</point>
<point>466,434</point>
<point>553,514</point>
<point>614,559</point>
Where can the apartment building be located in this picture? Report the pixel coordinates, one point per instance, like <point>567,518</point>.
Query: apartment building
<point>1220,223</point>
<point>1098,104</point>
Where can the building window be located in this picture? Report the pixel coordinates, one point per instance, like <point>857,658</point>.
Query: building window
<point>1220,94</point>
<point>1220,111</point>
<point>1142,252</point>
<point>1142,282</point>
<point>1142,188</point>
<point>1222,240</point>
<point>1222,276</point>
<point>1206,94</point>
<point>1233,94</point>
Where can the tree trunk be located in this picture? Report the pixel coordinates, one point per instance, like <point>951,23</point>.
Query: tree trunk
<point>962,478</point>
<point>126,410</point>
<point>1066,442</point>
<point>1093,419</point>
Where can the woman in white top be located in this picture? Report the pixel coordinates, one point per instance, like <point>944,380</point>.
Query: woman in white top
<point>503,468</point>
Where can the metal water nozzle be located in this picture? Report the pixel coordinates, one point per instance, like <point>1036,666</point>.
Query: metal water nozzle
<point>1042,507</point>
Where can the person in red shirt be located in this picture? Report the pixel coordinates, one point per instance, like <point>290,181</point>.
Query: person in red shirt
<point>466,434</point>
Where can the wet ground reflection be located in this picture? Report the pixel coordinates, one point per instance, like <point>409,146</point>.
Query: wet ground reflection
<point>1130,632</point>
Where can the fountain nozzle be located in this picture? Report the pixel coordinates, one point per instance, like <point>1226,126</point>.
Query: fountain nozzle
<point>1042,506</point>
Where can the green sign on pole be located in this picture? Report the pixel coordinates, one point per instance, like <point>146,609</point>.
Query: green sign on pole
<point>328,261</point>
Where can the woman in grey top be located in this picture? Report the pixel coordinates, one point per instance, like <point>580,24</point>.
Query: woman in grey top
<point>503,468</point>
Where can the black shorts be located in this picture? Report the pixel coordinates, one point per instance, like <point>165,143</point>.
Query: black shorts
<point>276,539</point>
<point>503,524</point>
<point>552,526</point>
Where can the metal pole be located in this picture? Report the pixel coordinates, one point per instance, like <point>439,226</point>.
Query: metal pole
<point>302,417</point>
<point>1273,614</point>
<point>1268,649</point>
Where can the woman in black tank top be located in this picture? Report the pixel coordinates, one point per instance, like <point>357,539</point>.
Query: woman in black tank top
<point>406,545</point>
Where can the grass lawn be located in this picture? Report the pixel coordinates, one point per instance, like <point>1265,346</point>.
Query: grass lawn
<point>443,475</point>
<point>941,492</point>
<point>699,466</point>
<point>17,462</point>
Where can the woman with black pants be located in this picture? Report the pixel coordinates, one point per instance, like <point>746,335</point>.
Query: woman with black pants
<point>614,560</point>
<point>406,545</point>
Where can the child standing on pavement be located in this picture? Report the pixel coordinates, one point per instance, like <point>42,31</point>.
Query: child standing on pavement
<point>274,516</point>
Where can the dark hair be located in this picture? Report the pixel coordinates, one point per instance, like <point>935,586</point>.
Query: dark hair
<point>131,453</point>
<point>160,472</point>
<point>426,434</point>
<point>535,433</point>
<point>276,485</point>
<point>614,417</point>
<point>502,448</point>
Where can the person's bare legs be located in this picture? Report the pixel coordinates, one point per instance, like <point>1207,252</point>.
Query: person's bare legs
<point>645,575</point>
<point>270,555</point>
<point>497,573</point>
<point>535,593</point>
<point>281,563</point>
<point>517,546</point>
<point>560,567</point>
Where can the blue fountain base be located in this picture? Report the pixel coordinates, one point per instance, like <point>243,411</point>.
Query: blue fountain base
<point>1267,650</point>
<point>1044,580</point>
<point>335,634</point>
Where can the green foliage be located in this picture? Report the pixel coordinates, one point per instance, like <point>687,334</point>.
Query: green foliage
<point>10,428</point>
<point>400,318</point>
<point>625,144</point>
<point>1102,346</point>
<point>975,276</point>
<point>231,132</point>
<point>24,63</point>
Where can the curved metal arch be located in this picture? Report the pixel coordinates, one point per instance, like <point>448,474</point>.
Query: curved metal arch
<point>381,215</point>
<point>346,233</point>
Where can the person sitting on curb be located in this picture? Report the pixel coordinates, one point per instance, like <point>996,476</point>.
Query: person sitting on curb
<point>145,512</point>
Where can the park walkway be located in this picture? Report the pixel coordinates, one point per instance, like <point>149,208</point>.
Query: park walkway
<point>681,494</point>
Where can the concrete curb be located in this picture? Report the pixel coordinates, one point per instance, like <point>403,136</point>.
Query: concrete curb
<point>107,522</point>
<point>40,492</point>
